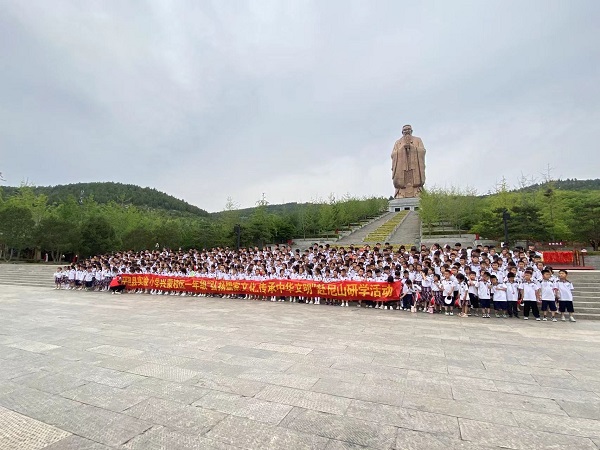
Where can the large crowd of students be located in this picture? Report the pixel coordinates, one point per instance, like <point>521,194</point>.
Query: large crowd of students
<point>437,279</point>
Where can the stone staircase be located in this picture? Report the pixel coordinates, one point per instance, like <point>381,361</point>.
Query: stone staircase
<point>586,295</point>
<point>383,233</point>
<point>357,237</point>
<point>409,231</point>
<point>32,275</point>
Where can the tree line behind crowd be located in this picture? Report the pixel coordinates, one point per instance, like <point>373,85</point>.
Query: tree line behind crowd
<point>556,211</point>
<point>31,224</point>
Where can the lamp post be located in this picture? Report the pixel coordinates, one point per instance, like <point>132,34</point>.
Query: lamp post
<point>505,217</point>
<point>238,231</point>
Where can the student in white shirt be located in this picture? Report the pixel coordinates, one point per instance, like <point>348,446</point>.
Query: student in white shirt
<point>484,294</point>
<point>463,295</point>
<point>88,278</point>
<point>343,277</point>
<point>437,290</point>
<point>472,283</point>
<point>500,300</point>
<point>426,293</point>
<point>530,293</point>
<point>58,275</point>
<point>512,295</point>
<point>317,277</point>
<point>565,296</point>
<point>407,295</point>
<point>548,294</point>
<point>448,293</point>
<point>72,274</point>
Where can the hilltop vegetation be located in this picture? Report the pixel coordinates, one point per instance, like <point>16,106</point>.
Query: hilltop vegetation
<point>31,223</point>
<point>565,185</point>
<point>103,193</point>
<point>61,220</point>
<point>547,212</point>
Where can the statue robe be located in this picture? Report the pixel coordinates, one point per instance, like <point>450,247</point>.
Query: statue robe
<point>408,166</point>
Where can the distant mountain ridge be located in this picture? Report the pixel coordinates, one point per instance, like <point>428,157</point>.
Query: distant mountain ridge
<point>130,194</point>
<point>567,185</point>
<point>282,208</point>
<point>105,192</point>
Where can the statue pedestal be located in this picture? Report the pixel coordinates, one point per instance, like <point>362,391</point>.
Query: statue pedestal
<point>404,204</point>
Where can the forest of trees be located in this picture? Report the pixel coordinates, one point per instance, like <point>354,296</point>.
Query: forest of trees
<point>31,225</point>
<point>69,220</point>
<point>548,212</point>
<point>124,194</point>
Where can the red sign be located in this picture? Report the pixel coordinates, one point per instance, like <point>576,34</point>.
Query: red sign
<point>557,257</point>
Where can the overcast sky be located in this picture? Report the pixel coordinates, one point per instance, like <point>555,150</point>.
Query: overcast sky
<point>296,99</point>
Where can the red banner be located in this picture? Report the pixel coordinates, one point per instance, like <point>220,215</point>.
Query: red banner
<point>346,290</point>
<point>558,257</point>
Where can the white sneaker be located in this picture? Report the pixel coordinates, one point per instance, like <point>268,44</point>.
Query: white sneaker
<point>525,318</point>
<point>572,319</point>
<point>563,319</point>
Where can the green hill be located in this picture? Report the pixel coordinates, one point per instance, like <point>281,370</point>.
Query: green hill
<point>280,209</point>
<point>565,185</point>
<point>123,194</point>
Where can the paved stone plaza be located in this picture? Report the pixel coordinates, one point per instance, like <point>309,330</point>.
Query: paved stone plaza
<point>87,371</point>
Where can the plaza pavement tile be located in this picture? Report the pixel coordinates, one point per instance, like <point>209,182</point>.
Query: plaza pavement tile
<point>163,438</point>
<point>182,418</point>
<point>89,371</point>
<point>74,442</point>
<point>248,434</point>
<point>24,433</point>
<point>106,397</point>
<point>520,438</point>
<point>248,407</point>
<point>168,390</point>
<point>53,383</point>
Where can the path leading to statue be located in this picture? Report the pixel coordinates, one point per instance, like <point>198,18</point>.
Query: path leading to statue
<point>357,237</point>
<point>409,231</point>
<point>94,371</point>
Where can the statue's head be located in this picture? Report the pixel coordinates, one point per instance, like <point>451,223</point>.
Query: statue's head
<point>406,129</point>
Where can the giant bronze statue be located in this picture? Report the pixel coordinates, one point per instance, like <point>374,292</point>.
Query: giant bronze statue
<point>408,165</point>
